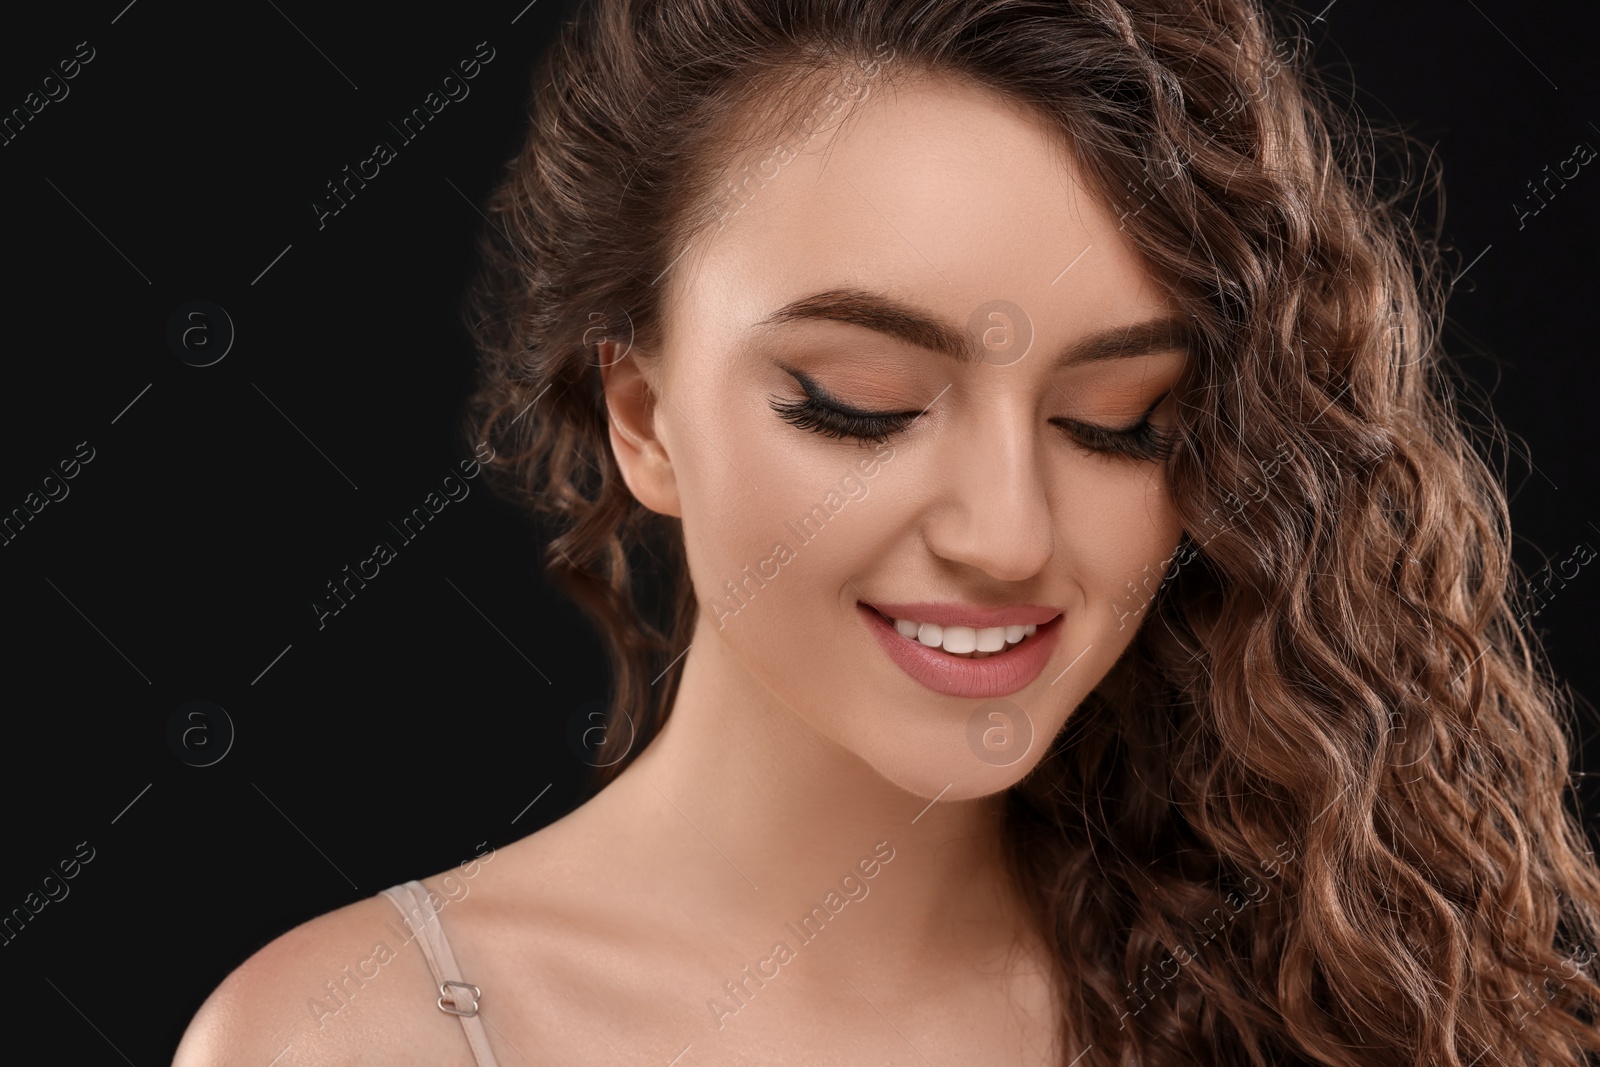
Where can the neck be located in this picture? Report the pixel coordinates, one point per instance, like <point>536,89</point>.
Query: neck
<point>746,808</point>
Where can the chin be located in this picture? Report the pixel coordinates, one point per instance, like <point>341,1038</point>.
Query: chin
<point>955,773</point>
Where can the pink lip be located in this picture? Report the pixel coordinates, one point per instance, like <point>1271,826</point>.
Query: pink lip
<point>993,676</point>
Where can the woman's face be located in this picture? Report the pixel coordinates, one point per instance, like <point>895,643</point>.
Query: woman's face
<point>936,258</point>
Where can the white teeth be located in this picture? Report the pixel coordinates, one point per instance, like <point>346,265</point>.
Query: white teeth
<point>965,641</point>
<point>959,639</point>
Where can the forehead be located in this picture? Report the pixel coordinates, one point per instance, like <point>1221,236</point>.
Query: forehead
<point>931,187</point>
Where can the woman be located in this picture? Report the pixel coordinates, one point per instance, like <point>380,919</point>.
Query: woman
<point>1056,615</point>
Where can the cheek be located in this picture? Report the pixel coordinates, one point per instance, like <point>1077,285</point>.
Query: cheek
<point>770,515</point>
<point>728,480</point>
<point>1122,539</point>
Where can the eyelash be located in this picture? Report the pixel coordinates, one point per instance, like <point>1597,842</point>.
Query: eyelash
<point>1144,442</point>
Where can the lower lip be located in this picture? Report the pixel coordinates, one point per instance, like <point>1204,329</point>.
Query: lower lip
<point>996,675</point>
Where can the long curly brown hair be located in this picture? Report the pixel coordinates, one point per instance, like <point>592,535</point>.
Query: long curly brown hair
<point>1332,747</point>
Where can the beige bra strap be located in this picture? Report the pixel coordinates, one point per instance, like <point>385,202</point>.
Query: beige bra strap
<point>456,996</point>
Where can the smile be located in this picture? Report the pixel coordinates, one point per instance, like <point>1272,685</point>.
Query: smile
<point>965,661</point>
<point>965,641</point>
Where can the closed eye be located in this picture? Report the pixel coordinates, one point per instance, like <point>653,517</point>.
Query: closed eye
<point>819,413</point>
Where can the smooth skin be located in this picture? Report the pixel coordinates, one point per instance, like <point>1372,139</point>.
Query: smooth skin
<point>795,746</point>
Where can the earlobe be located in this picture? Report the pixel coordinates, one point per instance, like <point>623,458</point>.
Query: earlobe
<point>630,415</point>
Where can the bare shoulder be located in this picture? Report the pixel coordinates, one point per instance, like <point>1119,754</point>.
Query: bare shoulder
<point>547,927</point>
<point>344,988</point>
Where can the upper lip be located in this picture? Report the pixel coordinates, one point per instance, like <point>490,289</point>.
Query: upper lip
<point>950,613</point>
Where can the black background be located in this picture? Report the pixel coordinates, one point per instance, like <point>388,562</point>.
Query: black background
<point>430,713</point>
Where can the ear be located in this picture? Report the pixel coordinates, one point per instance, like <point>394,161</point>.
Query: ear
<point>630,396</point>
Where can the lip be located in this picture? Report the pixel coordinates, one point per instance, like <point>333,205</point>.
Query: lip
<point>997,675</point>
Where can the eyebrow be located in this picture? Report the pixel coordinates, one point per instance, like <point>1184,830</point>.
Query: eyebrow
<point>906,322</point>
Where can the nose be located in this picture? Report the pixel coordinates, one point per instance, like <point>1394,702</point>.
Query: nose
<point>992,508</point>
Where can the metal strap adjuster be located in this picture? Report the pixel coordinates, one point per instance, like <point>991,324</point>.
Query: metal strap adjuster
<point>451,1008</point>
